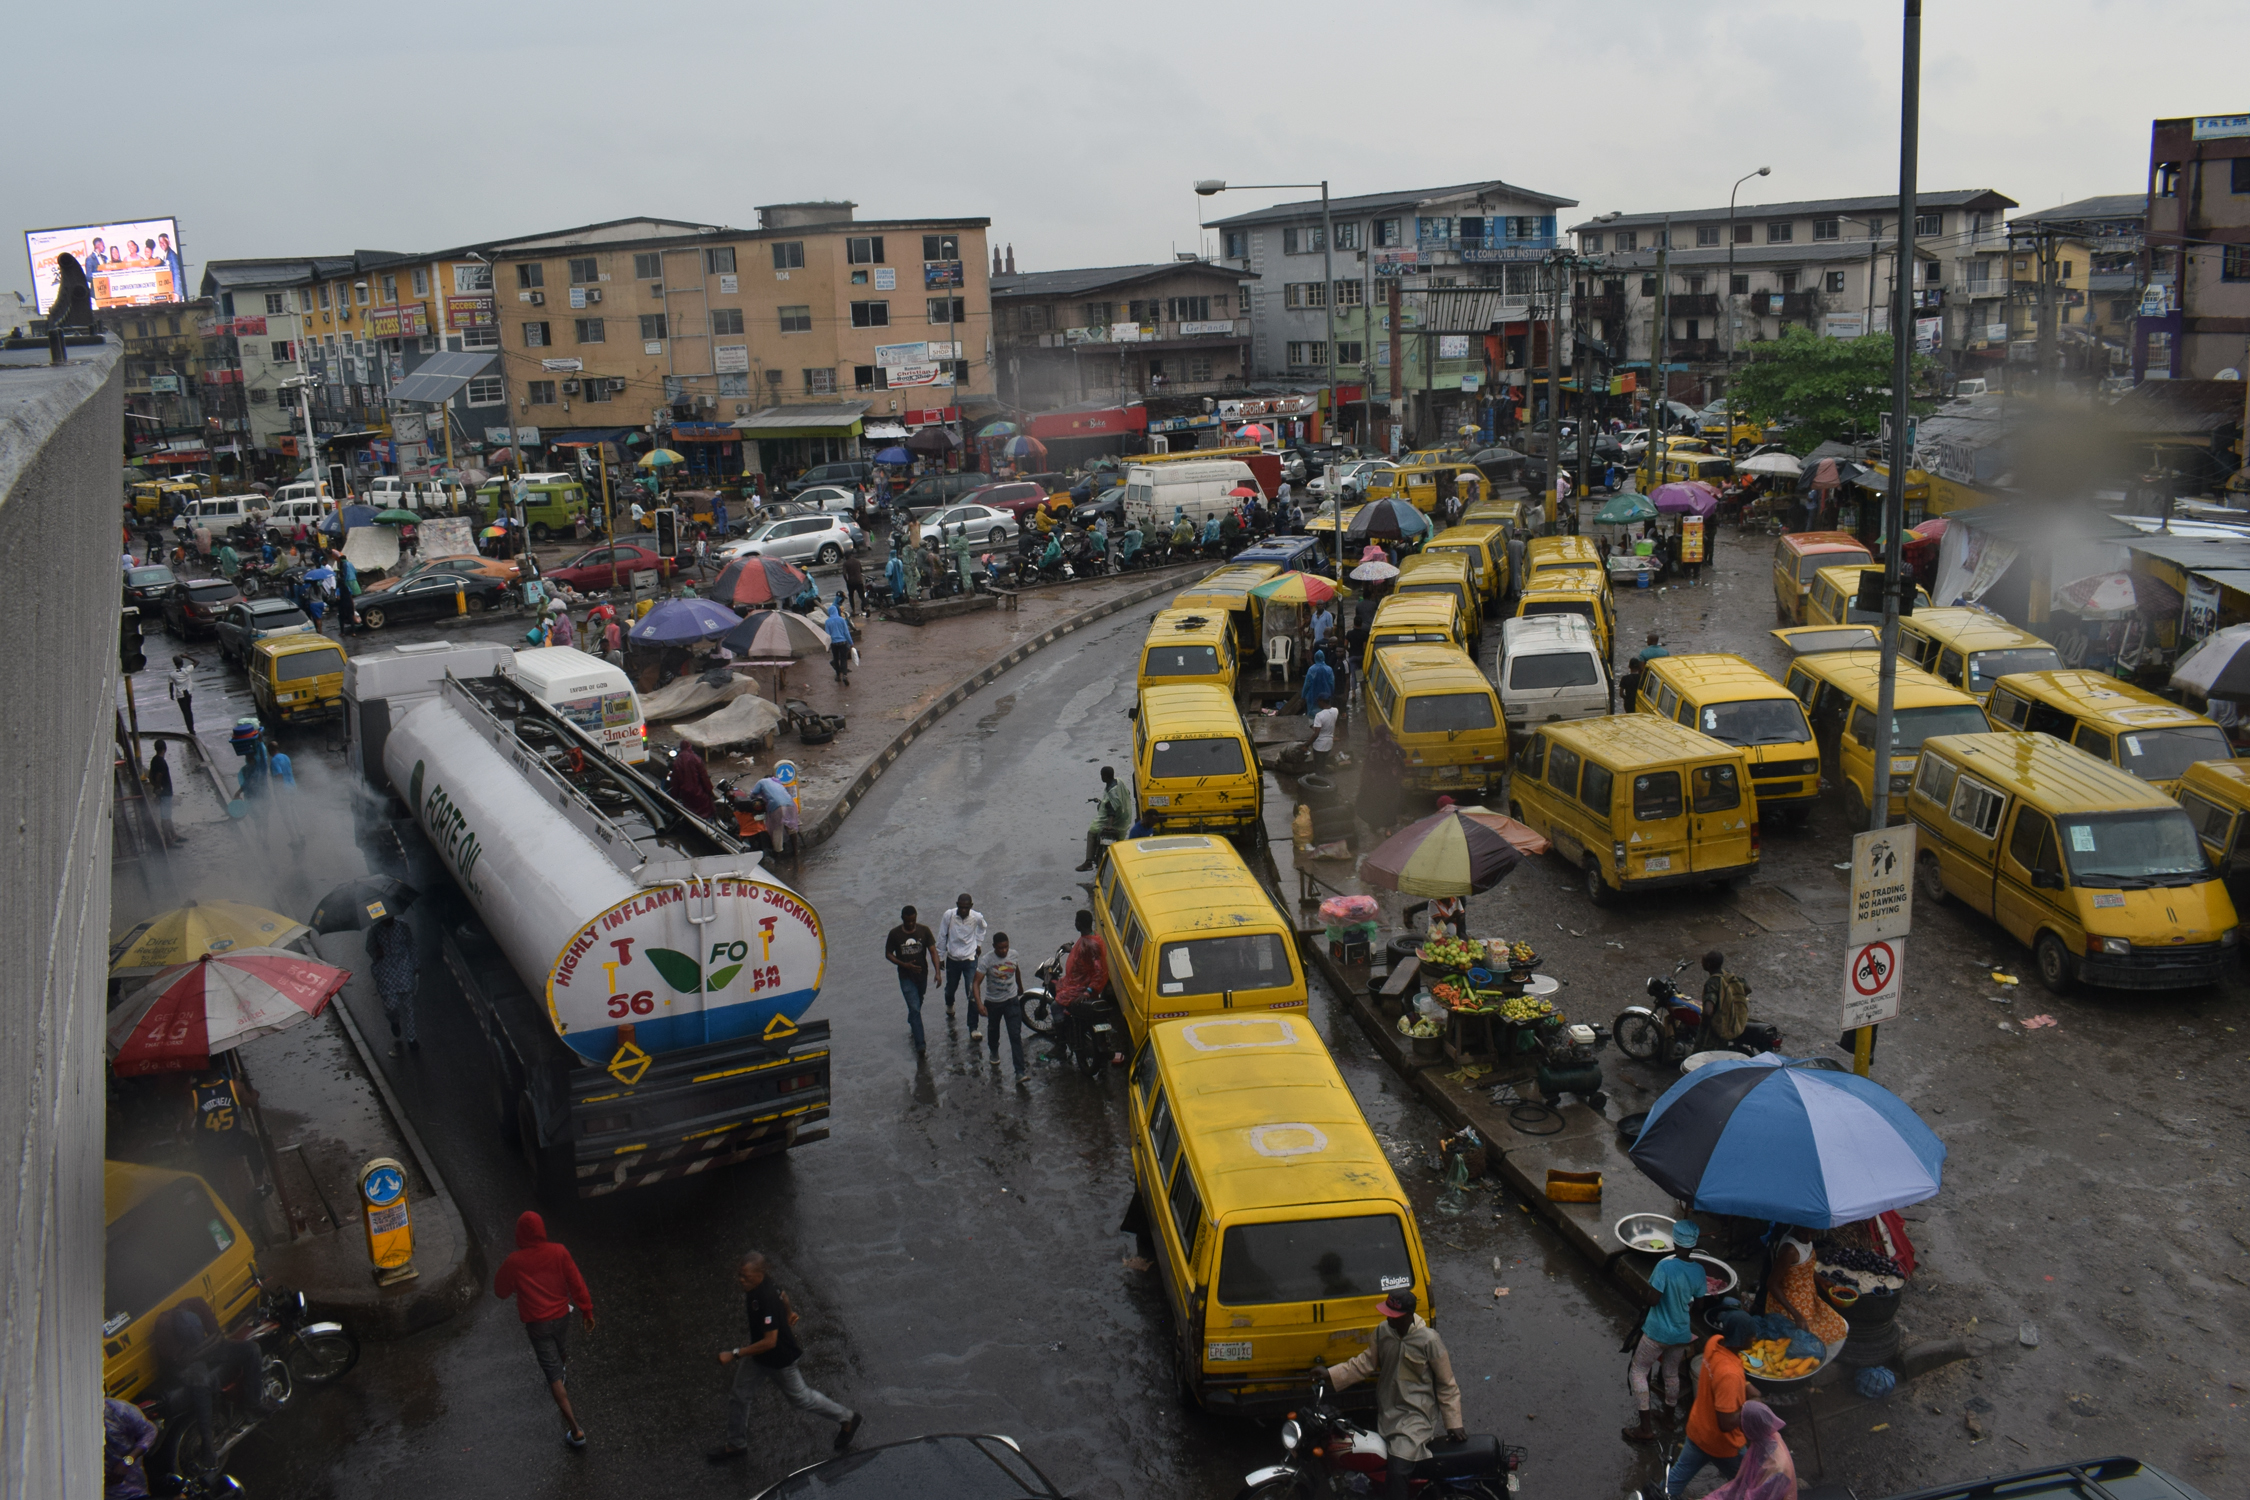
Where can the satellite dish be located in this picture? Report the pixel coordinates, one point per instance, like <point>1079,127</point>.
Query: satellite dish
<point>2229,373</point>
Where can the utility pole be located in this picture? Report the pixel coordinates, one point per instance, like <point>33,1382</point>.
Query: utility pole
<point>1398,367</point>
<point>1894,499</point>
<point>1554,394</point>
<point>2044,380</point>
<point>1660,339</point>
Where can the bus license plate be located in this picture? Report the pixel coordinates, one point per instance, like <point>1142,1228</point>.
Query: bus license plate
<point>1104,1026</point>
<point>1658,864</point>
<point>1219,1352</point>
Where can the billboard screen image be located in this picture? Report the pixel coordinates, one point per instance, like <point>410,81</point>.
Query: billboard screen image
<point>130,264</point>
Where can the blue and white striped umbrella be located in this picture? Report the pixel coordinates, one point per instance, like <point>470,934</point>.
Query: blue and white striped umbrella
<point>1771,1137</point>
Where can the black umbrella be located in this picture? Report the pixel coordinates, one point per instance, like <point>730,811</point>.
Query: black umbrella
<point>933,440</point>
<point>344,909</point>
<point>1387,520</point>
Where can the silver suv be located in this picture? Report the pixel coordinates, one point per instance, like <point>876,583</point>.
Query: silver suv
<point>798,539</point>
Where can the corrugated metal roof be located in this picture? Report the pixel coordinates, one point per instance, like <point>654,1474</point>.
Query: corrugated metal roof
<point>1309,208</point>
<point>2133,206</point>
<point>1813,207</point>
<point>1098,278</point>
<point>843,414</point>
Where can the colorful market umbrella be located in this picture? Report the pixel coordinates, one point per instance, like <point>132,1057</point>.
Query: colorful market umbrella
<point>682,622</point>
<point>773,635</point>
<point>894,455</point>
<point>1024,447</point>
<point>998,430</point>
<point>1254,433</point>
<point>1686,497</point>
<point>491,531</point>
<point>748,581</point>
<point>659,458</point>
<point>394,518</point>
<point>188,1012</point>
<point>1445,854</point>
<point>1788,1140</point>
<point>1393,519</point>
<point>1296,588</point>
<point>1625,510</point>
<point>201,927</point>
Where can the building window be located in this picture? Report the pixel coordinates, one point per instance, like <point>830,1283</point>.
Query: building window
<point>1627,241</point>
<point>1788,280</point>
<point>1592,243</point>
<point>276,303</point>
<point>1347,236</point>
<point>1695,286</point>
<point>480,338</point>
<point>282,352</point>
<point>542,392</point>
<point>648,265</point>
<point>796,320</point>
<point>597,390</point>
<point>1707,234</point>
<point>531,273</point>
<point>1313,353</point>
<point>2238,175</point>
<point>726,320</point>
<point>1099,314</point>
<point>1190,309</point>
<point>1242,301</point>
<point>864,250</point>
<point>421,281</point>
<point>1780,232</point>
<point>948,309</point>
<point>1036,318</point>
<point>1295,241</point>
<point>871,315</point>
<point>1237,245</point>
<point>820,382</point>
<point>1694,329</point>
<point>789,255</point>
<point>390,291</point>
<point>476,276</point>
<point>1350,294</point>
<point>1521,281</point>
<point>1738,283</point>
<point>590,331</point>
<point>1929,226</point>
<point>1648,286</point>
<point>359,294</point>
<point>718,260</point>
<point>1433,229</point>
<point>485,390</point>
<point>1142,311</point>
<point>583,270</point>
<point>941,247</point>
<point>652,326</point>
<point>867,377</point>
<point>1827,229</point>
<point>536,336</point>
<point>324,296</point>
<point>1350,353</point>
<point>1387,234</point>
<point>2234,263</point>
<point>1199,367</point>
<point>1304,294</point>
<point>1832,282</point>
<point>737,384</point>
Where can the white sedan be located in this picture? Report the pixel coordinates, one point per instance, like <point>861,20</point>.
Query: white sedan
<point>987,526</point>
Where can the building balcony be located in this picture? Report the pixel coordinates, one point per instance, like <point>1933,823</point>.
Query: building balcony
<point>1694,305</point>
<point>1602,306</point>
<point>1691,351</point>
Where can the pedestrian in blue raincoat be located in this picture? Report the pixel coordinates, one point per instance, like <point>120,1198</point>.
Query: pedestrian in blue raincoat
<point>839,640</point>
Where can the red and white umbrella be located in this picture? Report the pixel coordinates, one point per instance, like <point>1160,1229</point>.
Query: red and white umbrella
<point>176,1021</point>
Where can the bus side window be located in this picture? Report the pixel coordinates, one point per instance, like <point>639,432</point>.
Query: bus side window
<point>2045,718</point>
<point>2092,741</point>
<point>1953,668</point>
<point>1532,760</point>
<point>2009,709</point>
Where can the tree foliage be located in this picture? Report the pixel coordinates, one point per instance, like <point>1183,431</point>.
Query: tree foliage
<point>1825,388</point>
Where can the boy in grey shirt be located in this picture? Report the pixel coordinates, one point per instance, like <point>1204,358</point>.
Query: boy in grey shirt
<point>998,993</point>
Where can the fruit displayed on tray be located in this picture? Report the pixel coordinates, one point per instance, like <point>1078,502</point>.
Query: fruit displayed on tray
<point>1770,1357</point>
<point>1452,953</point>
<point>1523,1009</point>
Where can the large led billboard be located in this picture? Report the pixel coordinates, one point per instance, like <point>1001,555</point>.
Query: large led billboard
<point>130,264</point>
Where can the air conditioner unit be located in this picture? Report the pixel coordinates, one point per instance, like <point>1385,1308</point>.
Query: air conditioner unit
<point>593,295</point>
<point>616,385</point>
<point>538,299</point>
<point>656,289</point>
<point>708,403</point>
<point>570,387</point>
<point>742,408</point>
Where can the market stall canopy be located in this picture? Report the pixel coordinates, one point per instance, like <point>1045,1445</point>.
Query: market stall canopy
<point>201,927</point>
<point>1788,1140</point>
<point>188,1013</point>
<point>395,518</point>
<point>933,440</point>
<point>372,548</point>
<point>801,422</point>
<point>773,635</point>
<point>1295,588</point>
<point>883,432</point>
<point>2218,668</point>
<point>440,377</point>
<point>1393,519</point>
<point>1445,854</point>
<point>1625,510</point>
<point>894,455</point>
<point>1688,497</point>
<point>757,580</point>
<point>1783,464</point>
<point>685,697</point>
<point>683,622</point>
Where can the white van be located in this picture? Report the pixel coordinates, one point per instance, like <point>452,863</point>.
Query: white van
<point>1551,669</point>
<point>221,512</point>
<point>287,514</point>
<point>589,692</point>
<point>1202,490</point>
<point>388,492</point>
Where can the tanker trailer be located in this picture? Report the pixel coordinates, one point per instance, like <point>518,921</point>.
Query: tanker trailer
<point>639,978</point>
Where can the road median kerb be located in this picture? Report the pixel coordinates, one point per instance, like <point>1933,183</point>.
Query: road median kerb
<point>960,692</point>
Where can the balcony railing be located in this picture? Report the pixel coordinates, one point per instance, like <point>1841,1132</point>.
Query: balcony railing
<point>1694,305</point>
<point>1603,306</point>
<point>1690,351</point>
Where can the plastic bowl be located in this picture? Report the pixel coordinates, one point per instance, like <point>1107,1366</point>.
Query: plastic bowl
<point>1650,1232</point>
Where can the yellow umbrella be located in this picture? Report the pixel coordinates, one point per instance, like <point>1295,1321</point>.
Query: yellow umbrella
<point>660,458</point>
<point>186,934</point>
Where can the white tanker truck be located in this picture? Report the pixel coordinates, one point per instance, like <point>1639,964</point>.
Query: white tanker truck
<point>641,982</point>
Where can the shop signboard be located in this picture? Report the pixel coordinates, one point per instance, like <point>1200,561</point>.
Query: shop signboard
<point>886,278</point>
<point>1691,539</point>
<point>941,273</point>
<point>567,365</point>
<point>1453,346</point>
<point>1205,330</point>
<point>1124,333</point>
<point>911,375</point>
<point>1492,255</point>
<point>1395,262</point>
<point>730,359</point>
<point>1928,333</point>
<point>2221,127</point>
<point>1843,325</point>
<point>408,321</point>
<point>164,385</point>
<point>470,312</point>
<point>892,356</point>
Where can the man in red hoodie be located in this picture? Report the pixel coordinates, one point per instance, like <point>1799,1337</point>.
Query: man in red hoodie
<point>545,1282</point>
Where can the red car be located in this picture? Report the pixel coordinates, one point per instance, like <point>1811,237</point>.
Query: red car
<point>595,570</point>
<point>1017,497</point>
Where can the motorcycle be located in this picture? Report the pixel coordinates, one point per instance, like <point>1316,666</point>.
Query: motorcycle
<point>1326,1453</point>
<point>1672,1027</point>
<point>1088,1034</point>
<point>293,1350</point>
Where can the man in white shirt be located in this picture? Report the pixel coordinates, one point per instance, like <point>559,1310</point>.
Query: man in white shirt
<point>1324,737</point>
<point>960,936</point>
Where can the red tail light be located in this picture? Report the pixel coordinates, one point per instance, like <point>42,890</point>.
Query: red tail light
<point>1753,838</point>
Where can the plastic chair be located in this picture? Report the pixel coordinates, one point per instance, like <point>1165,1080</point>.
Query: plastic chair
<point>1277,656</point>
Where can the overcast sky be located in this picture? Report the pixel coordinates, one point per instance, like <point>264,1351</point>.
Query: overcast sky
<point>272,129</point>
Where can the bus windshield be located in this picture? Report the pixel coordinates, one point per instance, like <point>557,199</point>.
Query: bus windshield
<point>2125,851</point>
<point>1761,721</point>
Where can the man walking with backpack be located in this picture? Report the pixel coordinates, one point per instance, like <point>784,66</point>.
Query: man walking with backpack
<point>1726,1002</point>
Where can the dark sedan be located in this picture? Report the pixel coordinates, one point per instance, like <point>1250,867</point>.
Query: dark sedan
<point>429,597</point>
<point>145,587</point>
<point>606,567</point>
<point>193,608</point>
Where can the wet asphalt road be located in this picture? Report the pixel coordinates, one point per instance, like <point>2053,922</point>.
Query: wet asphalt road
<point>952,1246</point>
<point>953,1249</point>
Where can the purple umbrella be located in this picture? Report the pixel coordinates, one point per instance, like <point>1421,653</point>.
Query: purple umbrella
<point>681,622</point>
<point>1685,497</point>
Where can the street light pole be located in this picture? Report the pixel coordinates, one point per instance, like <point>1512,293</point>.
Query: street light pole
<point>1213,185</point>
<point>1731,315</point>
